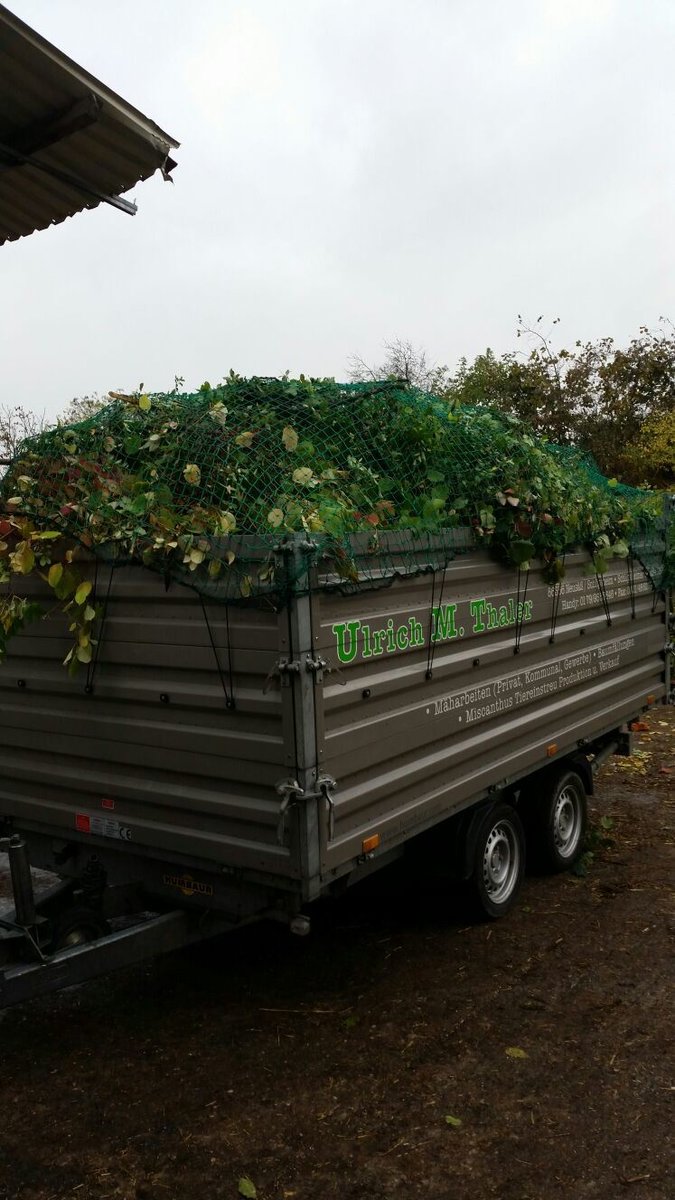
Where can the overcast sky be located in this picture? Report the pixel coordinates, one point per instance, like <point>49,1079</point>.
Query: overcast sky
<point>352,171</point>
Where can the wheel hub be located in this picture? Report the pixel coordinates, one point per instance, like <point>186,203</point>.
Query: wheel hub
<point>500,862</point>
<point>566,823</point>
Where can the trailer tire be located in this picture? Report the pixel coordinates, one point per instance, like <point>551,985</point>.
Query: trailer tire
<point>498,862</point>
<point>556,818</point>
<point>76,926</point>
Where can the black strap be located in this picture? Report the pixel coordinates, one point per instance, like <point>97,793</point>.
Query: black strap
<point>229,696</point>
<point>432,644</point>
<point>555,607</point>
<point>630,567</point>
<point>602,588</point>
<point>520,610</point>
<point>91,666</point>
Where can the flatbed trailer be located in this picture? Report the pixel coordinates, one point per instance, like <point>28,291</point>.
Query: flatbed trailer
<point>215,765</point>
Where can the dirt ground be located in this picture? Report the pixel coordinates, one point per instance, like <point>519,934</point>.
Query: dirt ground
<point>328,1066</point>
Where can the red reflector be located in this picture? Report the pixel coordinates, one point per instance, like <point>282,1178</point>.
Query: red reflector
<point>109,804</point>
<point>83,822</point>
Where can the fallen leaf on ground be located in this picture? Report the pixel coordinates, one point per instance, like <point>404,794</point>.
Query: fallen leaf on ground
<point>515,1052</point>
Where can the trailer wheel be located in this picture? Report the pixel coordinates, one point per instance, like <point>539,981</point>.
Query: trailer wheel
<point>556,822</point>
<point>76,926</point>
<point>498,862</point>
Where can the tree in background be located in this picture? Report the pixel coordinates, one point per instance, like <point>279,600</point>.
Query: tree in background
<point>619,404</point>
<point>403,362</point>
<point>81,407</point>
<point>17,423</point>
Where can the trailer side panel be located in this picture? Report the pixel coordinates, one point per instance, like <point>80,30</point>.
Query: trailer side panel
<point>450,688</point>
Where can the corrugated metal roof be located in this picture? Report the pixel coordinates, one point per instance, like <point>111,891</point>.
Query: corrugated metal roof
<point>67,142</point>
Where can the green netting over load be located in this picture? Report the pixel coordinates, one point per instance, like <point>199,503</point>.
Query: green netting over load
<point>369,479</point>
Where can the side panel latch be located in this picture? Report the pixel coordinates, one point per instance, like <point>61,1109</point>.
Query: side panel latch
<point>326,785</point>
<point>290,792</point>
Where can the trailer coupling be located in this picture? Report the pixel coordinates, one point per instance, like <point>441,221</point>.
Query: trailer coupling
<point>34,959</point>
<point>158,934</point>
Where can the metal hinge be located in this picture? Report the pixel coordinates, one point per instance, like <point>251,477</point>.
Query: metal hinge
<point>285,667</point>
<point>318,665</point>
<point>282,669</point>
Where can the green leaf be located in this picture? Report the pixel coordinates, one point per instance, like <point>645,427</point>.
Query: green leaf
<point>454,1121</point>
<point>66,585</point>
<point>521,552</point>
<point>83,591</point>
<point>247,1188</point>
<point>55,574</point>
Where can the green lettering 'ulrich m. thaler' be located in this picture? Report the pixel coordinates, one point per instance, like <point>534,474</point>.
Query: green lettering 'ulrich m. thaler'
<point>358,640</point>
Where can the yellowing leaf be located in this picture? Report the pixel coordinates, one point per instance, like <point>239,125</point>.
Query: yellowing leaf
<point>247,1188</point>
<point>227,522</point>
<point>55,574</point>
<point>218,413</point>
<point>274,517</point>
<point>191,473</point>
<point>84,654</point>
<point>302,475</point>
<point>89,613</point>
<point>515,1052</point>
<point>246,585</point>
<point>244,439</point>
<point>454,1121</point>
<point>22,560</point>
<point>215,567</point>
<point>289,437</point>
<point>82,592</point>
<point>144,403</point>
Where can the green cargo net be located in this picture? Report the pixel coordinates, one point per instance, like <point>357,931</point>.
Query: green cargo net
<point>257,486</point>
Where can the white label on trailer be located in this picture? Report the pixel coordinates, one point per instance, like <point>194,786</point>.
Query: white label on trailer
<point>107,827</point>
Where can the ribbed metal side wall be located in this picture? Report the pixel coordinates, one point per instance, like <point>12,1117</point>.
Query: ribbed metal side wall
<point>186,774</point>
<point>419,730</point>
